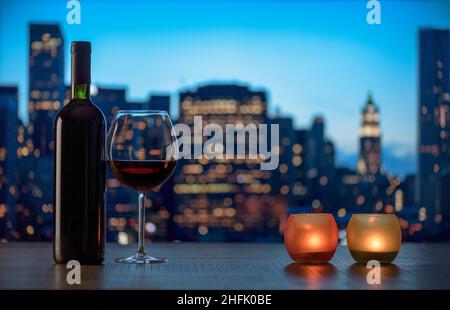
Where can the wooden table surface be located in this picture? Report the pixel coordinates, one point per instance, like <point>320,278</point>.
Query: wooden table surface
<point>223,266</point>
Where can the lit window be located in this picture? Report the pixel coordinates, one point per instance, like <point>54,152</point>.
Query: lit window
<point>316,203</point>
<point>284,168</point>
<point>342,212</point>
<point>297,148</point>
<point>203,230</point>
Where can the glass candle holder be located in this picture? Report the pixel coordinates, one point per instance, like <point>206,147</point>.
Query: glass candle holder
<point>374,237</point>
<point>311,238</point>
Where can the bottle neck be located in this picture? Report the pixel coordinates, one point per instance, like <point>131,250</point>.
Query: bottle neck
<point>81,74</point>
<point>81,91</point>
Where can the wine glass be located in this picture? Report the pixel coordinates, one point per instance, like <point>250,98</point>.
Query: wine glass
<point>142,149</point>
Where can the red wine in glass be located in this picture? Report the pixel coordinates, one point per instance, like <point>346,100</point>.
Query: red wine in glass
<point>142,175</point>
<point>142,150</point>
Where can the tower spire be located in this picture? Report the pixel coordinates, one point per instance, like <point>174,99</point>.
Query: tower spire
<point>369,97</point>
<point>370,138</point>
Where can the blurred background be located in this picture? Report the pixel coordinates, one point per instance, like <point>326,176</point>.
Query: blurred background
<point>363,110</point>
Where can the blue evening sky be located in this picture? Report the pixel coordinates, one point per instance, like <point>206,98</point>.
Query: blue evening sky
<point>313,57</point>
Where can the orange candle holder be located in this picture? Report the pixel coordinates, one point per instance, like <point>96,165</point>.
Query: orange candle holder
<point>374,237</point>
<point>311,237</point>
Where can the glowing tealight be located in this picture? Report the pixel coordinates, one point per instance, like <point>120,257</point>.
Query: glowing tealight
<point>311,238</point>
<point>374,237</point>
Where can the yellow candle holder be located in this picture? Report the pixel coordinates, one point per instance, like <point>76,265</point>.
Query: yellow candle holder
<point>311,238</point>
<point>374,237</point>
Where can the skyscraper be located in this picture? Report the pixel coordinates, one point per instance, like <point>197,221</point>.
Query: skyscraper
<point>370,139</point>
<point>30,222</point>
<point>120,212</point>
<point>320,148</point>
<point>122,201</point>
<point>320,167</point>
<point>46,97</point>
<point>46,83</point>
<point>299,149</point>
<point>433,123</point>
<point>283,177</point>
<point>8,160</point>
<point>219,199</point>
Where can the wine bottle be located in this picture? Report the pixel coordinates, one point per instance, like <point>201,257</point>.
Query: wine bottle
<point>80,167</point>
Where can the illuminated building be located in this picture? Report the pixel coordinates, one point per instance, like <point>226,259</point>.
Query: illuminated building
<point>376,190</point>
<point>283,177</point>
<point>320,149</point>
<point>122,201</point>
<point>347,193</point>
<point>433,126</point>
<point>320,168</point>
<point>46,97</point>
<point>8,160</point>
<point>223,199</point>
<point>32,213</point>
<point>46,83</point>
<point>120,211</point>
<point>369,139</point>
<point>411,217</point>
<point>110,100</point>
<point>299,190</point>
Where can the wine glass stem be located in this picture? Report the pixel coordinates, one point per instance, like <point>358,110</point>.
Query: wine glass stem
<point>141,237</point>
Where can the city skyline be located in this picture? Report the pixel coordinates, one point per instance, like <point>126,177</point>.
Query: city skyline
<point>385,59</point>
<point>210,200</point>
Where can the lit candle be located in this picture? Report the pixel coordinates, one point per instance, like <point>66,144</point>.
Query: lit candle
<point>374,237</point>
<point>311,238</point>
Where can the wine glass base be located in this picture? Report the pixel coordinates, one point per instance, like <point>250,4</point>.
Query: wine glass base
<point>141,258</point>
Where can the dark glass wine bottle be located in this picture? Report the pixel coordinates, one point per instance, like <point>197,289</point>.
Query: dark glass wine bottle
<point>80,167</point>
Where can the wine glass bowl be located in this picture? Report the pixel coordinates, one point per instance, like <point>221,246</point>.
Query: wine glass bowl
<point>141,153</point>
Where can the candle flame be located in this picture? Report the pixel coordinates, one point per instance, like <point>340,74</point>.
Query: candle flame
<point>376,243</point>
<point>314,241</point>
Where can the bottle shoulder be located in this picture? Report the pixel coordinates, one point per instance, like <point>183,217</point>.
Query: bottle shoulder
<point>80,110</point>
